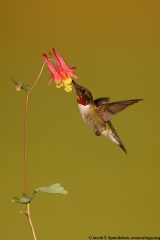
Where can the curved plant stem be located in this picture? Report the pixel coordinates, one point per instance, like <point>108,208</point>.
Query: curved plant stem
<point>25,152</point>
<point>34,84</point>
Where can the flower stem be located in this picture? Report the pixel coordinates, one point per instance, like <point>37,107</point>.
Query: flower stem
<point>30,221</point>
<point>25,151</point>
<point>25,147</point>
<point>34,84</point>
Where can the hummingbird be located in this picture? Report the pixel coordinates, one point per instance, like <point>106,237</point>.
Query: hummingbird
<point>98,113</point>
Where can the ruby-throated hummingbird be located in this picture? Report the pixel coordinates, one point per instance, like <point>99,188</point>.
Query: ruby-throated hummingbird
<point>98,113</point>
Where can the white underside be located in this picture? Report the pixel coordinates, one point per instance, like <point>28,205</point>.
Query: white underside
<point>84,112</point>
<point>110,136</point>
<point>83,109</point>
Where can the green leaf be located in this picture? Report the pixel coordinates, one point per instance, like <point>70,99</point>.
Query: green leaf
<point>54,188</point>
<point>16,83</point>
<point>24,199</point>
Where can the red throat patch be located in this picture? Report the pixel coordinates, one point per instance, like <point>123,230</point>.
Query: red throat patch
<point>81,101</point>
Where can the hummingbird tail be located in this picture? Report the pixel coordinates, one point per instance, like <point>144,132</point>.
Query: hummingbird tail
<point>112,135</point>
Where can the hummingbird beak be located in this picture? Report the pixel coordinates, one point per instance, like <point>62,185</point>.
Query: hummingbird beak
<point>75,84</point>
<point>77,87</point>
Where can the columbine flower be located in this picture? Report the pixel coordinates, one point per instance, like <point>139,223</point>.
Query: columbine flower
<point>61,73</point>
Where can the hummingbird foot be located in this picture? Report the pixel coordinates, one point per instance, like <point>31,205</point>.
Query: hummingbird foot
<point>98,133</point>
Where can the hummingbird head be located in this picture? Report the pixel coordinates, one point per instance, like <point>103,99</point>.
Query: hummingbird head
<point>84,96</point>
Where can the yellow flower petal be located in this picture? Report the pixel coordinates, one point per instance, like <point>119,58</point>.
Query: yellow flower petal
<point>67,84</point>
<point>67,81</point>
<point>68,87</point>
<point>60,85</point>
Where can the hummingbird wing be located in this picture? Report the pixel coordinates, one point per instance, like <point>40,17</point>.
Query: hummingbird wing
<point>108,110</point>
<point>101,101</point>
<point>112,135</point>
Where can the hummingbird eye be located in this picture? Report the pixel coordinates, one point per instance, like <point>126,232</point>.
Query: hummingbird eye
<point>83,91</point>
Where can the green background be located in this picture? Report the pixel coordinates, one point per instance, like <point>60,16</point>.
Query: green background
<point>115,46</point>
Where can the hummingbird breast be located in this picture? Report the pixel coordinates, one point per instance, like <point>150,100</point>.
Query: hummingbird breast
<point>92,117</point>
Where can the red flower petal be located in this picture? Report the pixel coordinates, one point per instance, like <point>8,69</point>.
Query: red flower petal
<point>55,75</point>
<point>62,65</point>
